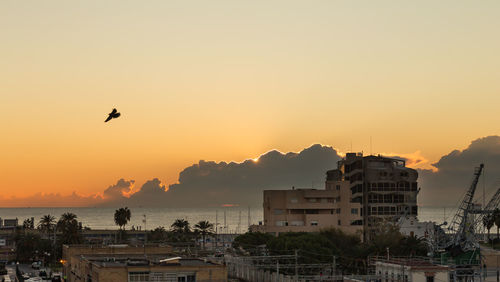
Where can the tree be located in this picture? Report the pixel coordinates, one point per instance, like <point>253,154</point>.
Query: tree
<point>70,229</point>
<point>122,217</point>
<point>158,234</point>
<point>29,245</point>
<point>496,219</point>
<point>251,242</point>
<point>180,226</point>
<point>29,224</point>
<point>204,228</point>
<point>488,222</point>
<point>47,223</point>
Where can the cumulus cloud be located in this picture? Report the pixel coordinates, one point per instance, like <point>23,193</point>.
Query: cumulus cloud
<point>413,160</point>
<point>453,173</point>
<point>122,188</point>
<point>209,183</point>
<point>243,183</point>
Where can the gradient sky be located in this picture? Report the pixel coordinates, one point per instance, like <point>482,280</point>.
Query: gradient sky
<point>230,80</point>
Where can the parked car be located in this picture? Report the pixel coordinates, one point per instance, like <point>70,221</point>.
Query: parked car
<point>36,264</point>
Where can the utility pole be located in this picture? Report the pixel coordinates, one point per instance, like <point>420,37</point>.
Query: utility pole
<point>239,223</point>
<point>296,267</point>
<point>334,269</point>
<point>145,234</point>
<point>278,270</point>
<point>249,222</point>
<point>216,229</point>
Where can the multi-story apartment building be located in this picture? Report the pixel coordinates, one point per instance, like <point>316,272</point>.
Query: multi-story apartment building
<point>361,193</point>
<point>309,210</point>
<point>385,188</point>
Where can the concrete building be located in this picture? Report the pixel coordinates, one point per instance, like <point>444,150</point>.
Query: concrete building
<point>359,195</point>
<point>10,223</point>
<point>411,270</point>
<point>126,263</point>
<point>309,210</point>
<point>385,188</point>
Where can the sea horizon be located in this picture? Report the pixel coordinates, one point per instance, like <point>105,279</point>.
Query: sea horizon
<point>235,217</point>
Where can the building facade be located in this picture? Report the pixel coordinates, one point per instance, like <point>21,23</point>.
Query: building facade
<point>385,188</point>
<point>128,263</point>
<point>359,195</point>
<point>411,270</point>
<point>310,210</point>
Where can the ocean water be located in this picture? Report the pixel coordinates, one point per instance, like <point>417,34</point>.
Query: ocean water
<point>236,218</point>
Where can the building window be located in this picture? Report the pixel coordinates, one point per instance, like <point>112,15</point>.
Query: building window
<point>354,211</point>
<point>186,278</point>
<point>314,223</point>
<point>339,222</point>
<point>279,211</point>
<point>297,223</point>
<point>312,200</point>
<point>337,187</point>
<point>338,210</point>
<point>293,200</point>
<point>138,276</point>
<point>281,223</point>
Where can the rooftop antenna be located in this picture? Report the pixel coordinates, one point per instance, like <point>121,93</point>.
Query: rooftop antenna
<point>216,228</point>
<point>239,223</point>
<point>249,217</point>
<point>225,225</point>
<point>371,151</point>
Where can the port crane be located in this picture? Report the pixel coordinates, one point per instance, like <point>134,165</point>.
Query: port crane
<point>462,236</point>
<point>486,211</point>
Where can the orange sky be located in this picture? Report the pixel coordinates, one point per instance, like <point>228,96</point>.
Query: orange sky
<point>230,80</point>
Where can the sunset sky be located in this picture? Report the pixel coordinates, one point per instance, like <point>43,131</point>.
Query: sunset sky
<point>231,80</point>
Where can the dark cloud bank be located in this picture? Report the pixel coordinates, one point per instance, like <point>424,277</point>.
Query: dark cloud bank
<point>211,184</point>
<point>455,171</point>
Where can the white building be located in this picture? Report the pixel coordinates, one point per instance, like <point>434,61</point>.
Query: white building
<point>411,270</point>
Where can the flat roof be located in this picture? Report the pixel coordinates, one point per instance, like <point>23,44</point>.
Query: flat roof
<point>150,260</point>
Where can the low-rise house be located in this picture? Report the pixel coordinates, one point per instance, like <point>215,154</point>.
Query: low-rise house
<point>411,270</point>
<point>128,263</point>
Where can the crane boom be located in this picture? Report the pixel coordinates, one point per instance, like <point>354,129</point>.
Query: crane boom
<point>488,209</point>
<point>460,223</point>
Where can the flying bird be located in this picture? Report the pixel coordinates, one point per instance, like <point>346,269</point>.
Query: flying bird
<point>112,115</point>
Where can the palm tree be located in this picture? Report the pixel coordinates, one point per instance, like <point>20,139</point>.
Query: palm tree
<point>204,228</point>
<point>46,223</point>
<point>159,234</point>
<point>180,226</point>
<point>66,219</point>
<point>70,228</point>
<point>122,217</point>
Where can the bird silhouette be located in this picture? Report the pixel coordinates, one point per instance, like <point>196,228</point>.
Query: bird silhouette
<point>112,115</point>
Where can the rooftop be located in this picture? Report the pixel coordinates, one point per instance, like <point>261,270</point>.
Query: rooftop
<point>413,263</point>
<point>150,260</point>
